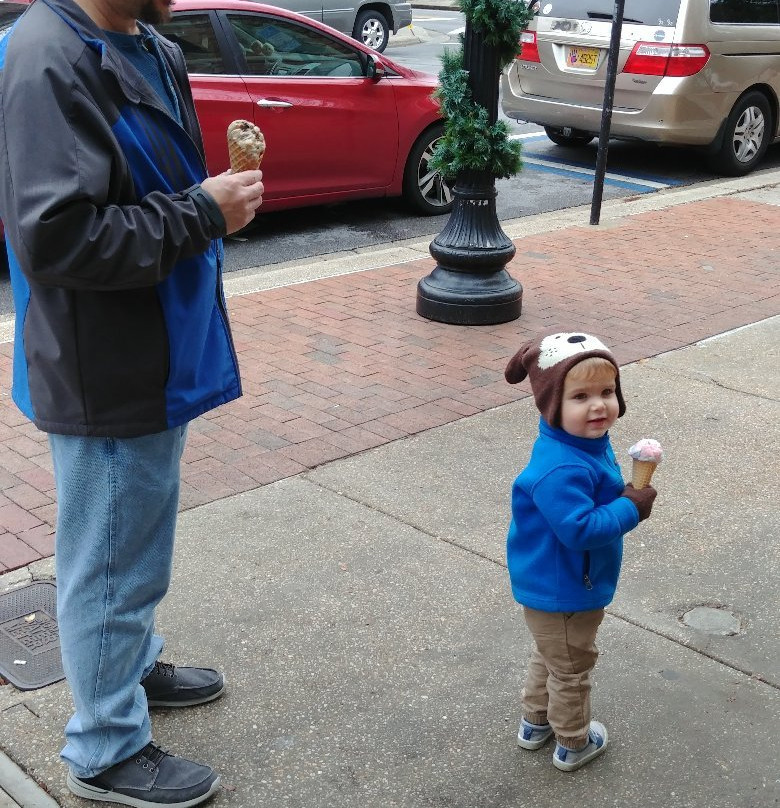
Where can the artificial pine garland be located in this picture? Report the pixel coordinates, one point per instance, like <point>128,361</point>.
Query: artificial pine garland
<point>469,141</point>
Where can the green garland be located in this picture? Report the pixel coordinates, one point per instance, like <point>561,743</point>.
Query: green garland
<point>469,142</point>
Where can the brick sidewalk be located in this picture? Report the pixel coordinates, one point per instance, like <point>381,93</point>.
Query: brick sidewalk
<point>336,366</point>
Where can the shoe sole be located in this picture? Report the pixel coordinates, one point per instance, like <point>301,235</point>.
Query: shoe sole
<point>191,703</point>
<point>570,767</point>
<point>532,746</point>
<point>93,793</point>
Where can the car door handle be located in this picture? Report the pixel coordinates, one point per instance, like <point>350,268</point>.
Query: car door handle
<point>270,103</point>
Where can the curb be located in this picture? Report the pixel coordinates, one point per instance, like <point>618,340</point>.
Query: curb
<point>21,790</point>
<point>289,273</point>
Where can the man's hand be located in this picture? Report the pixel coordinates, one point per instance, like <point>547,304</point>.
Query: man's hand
<point>238,196</point>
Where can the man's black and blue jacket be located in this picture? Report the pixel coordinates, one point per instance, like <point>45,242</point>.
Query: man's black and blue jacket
<point>114,249</point>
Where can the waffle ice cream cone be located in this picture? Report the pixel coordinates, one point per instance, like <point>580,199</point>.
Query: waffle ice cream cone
<point>641,472</point>
<point>646,455</point>
<point>246,146</point>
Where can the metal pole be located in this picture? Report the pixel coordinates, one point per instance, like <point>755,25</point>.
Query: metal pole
<point>606,112</point>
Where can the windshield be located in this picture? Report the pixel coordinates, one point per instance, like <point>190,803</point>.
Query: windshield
<point>639,12</point>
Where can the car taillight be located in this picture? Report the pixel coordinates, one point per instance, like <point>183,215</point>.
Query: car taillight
<point>529,52</point>
<point>665,59</point>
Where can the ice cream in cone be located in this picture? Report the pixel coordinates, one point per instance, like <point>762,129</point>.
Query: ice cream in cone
<point>646,454</point>
<point>246,146</point>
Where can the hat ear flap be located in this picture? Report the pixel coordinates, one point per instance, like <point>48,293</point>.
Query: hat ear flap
<point>621,400</point>
<point>515,371</point>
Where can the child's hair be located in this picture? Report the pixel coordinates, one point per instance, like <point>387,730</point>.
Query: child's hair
<point>591,368</point>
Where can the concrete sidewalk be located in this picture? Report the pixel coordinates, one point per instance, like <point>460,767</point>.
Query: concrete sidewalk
<point>340,554</point>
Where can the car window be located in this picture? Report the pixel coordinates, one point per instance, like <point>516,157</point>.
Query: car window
<point>9,14</point>
<point>275,47</point>
<point>745,11</point>
<point>194,34</point>
<point>640,12</point>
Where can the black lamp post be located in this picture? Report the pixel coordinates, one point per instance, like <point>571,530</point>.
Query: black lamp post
<point>470,285</point>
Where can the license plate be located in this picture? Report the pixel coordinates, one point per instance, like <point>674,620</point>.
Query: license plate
<point>587,58</point>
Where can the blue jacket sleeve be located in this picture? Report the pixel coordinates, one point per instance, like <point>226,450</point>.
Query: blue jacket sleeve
<point>566,498</point>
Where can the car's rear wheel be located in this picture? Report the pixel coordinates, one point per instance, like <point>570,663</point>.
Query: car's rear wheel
<point>746,136</point>
<point>567,137</point>
<point>425,190</point>
<point>372,29</point>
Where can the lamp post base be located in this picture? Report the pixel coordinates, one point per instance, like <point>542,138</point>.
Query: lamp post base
<point>470,285</point>
<point>461,299</point>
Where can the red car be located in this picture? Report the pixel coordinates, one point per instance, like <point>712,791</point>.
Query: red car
<point>340,120</point>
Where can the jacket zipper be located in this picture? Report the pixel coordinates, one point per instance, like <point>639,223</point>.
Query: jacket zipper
<point>586,570</point>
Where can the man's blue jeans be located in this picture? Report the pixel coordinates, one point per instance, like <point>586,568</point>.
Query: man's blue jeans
<point>117,502</point>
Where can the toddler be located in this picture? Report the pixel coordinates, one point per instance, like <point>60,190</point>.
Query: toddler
<point>570,509</point>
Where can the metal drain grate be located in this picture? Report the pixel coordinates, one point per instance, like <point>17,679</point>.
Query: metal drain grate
<point>29,640</point>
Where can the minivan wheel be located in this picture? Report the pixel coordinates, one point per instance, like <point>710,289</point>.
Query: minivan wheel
<point>746,136</point>
<point>574,139</point>
<point>372,29</point>
<point>425,190</point>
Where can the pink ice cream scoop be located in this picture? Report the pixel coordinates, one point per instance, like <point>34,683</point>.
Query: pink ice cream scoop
<point>647,450</point>
<point>646,454</point>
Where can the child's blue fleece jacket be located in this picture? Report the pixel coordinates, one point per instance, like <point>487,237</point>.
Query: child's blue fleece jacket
<point>565,542</point>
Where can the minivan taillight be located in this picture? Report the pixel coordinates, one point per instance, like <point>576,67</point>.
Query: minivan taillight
<point>665,59</point>
<point>529,52</point>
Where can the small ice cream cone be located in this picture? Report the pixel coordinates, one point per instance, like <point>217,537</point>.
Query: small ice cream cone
<point>646,455</point>
<point>641,472</point>
<point>246,146</point>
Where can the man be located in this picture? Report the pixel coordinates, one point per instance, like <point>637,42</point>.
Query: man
<point>113,232</point>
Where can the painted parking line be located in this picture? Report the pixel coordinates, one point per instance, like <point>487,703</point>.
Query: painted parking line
<point>562,167</point>
<point>636,176</point>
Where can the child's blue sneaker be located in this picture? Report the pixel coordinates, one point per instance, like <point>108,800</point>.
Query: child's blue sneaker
<point>533,736</point>
<point>567,760</point>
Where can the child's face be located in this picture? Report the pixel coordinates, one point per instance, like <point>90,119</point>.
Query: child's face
<point>589,406</point>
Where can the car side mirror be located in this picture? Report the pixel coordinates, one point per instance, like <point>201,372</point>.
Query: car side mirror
<point>375,70</point>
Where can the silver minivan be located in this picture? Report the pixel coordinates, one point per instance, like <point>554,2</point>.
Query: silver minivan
<point>368,21</point>
<point>690,72</point>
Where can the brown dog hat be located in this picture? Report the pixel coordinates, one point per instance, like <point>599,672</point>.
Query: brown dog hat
<point>546,362</point>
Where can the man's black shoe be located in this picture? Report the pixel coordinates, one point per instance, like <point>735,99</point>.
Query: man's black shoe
<point>149,779</point>
<point>169,686</point>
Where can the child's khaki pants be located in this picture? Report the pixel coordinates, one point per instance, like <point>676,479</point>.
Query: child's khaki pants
<point>557,687</point>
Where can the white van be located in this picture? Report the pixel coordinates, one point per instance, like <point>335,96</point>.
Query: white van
<point>690,72</point>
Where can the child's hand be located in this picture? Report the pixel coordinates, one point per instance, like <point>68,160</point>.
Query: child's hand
<point>641,497</point>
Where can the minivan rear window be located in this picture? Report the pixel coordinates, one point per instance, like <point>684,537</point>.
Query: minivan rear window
<point>745,11</point>
<point>638,12</point>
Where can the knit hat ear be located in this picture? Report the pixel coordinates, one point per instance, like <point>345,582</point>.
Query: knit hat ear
<point>547,361</point>
<point>515,371</point>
